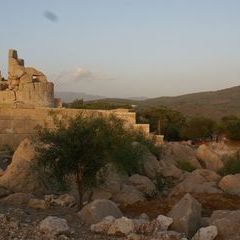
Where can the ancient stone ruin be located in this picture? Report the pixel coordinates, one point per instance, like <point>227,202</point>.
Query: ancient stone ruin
<point>25,86</point>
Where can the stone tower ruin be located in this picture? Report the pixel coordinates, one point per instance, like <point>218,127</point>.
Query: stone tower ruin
<point>25,86</point>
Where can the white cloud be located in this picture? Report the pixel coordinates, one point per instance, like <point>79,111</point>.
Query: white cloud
<point>81,74</point>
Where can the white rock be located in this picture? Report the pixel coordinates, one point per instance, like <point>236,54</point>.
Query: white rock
<point>95,211</point>
<point>121,226</point>
<point>164,222</point>
<point>186,215</point>
<point>103,226</point>
<point>53,226</point>
<point>206,233</point>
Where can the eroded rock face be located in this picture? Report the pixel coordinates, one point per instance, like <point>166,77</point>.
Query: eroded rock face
<point>129,195</point>
<point>53,226</point>
<point>142,183</point>
<point>206,233</point>
<point>186,215</point>
<point>227,223</point>
<point>209,158</point>
<point>121,227</point>
<point>18,199</point>
<point>199,181</point>
<point>175,152</point>
<point>231,184</point>
<point>95,211</point>
<point>21,175</point>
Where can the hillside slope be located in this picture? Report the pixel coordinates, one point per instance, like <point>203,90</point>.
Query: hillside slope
<point>214,104</point>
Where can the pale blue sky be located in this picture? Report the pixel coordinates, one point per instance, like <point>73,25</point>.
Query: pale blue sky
<point>121,48</point>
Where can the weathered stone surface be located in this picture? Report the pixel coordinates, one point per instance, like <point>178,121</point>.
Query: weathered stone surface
<point>167,235</point>
<point>164,222</point>
<point>103,226</point>
<point>142,183</point>
<point>231,184</point>
<point>199,181</point>
<point>28,85</point>
<point>37,203</point>
<point>207,233</point>
<point>209,158</point>
<point>95,211</point>
<point>151,166</point>
<point>53,226</point>
<point>170,170</point>
<point>186,215</point>
<point>18,199</point>
<point>227,223</point>
<point>129,195</point>
<point>121,227</point>
<point>175,152</point>
<point>20,175</point>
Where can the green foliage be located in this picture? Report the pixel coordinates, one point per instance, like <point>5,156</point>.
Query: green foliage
<point>84,145</point>
<point>199,128</point>
<point>80,104</point>
<point>186,166</point>
<point>231,165</point>
<point>171,121</point>
<point>230,127</point>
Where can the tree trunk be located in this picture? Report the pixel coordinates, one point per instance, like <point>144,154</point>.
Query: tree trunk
<point>80,187</point>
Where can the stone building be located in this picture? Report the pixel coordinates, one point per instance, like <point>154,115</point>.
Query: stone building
<point>25,86</point>
<point>27,101</point>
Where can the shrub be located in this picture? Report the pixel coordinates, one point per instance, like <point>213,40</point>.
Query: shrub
<point>84,145</point>
<point>231,165</point>
<point>186,166</point>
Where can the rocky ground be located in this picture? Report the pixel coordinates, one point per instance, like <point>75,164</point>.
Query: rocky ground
<point>152,205</point>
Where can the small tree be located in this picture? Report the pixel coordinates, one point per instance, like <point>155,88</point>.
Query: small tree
<point>85,145</point>
<point>199,128</point>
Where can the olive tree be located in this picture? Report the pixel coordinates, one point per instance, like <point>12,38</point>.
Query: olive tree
<point>84,145</point>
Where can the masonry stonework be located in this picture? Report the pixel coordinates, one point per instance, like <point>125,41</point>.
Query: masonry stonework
<point>27,101</point>
<point>25,86</point>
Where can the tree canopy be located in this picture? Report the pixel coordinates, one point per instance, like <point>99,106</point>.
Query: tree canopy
<point>85,145</point>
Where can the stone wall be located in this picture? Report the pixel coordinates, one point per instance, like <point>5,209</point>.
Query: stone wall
<point>18,123</point>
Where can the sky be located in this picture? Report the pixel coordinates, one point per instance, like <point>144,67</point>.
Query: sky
<point>126,48</point>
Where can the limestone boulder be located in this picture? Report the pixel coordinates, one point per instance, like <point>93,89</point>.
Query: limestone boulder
<point>121,227</point>
<point>175,152</point>
<point>151,166</point>
<point>206,233</point>
<point>210,159</point>
<point>18,199</point>
<point>227,223</point>
<point>186,215</point>
<point>37,203</point>
<point>169,170</point>
<point>128,195</point>
<point>103,226</point>
<point>22,175</point>
<point>199,181</point>
<point>231,184</point>
<point>95,211</point>
<point>54,226</point>
<point>142,183</point>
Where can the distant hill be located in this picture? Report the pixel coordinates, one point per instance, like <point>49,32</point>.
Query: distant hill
<point>70,96</point>
<point>214,104</point>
